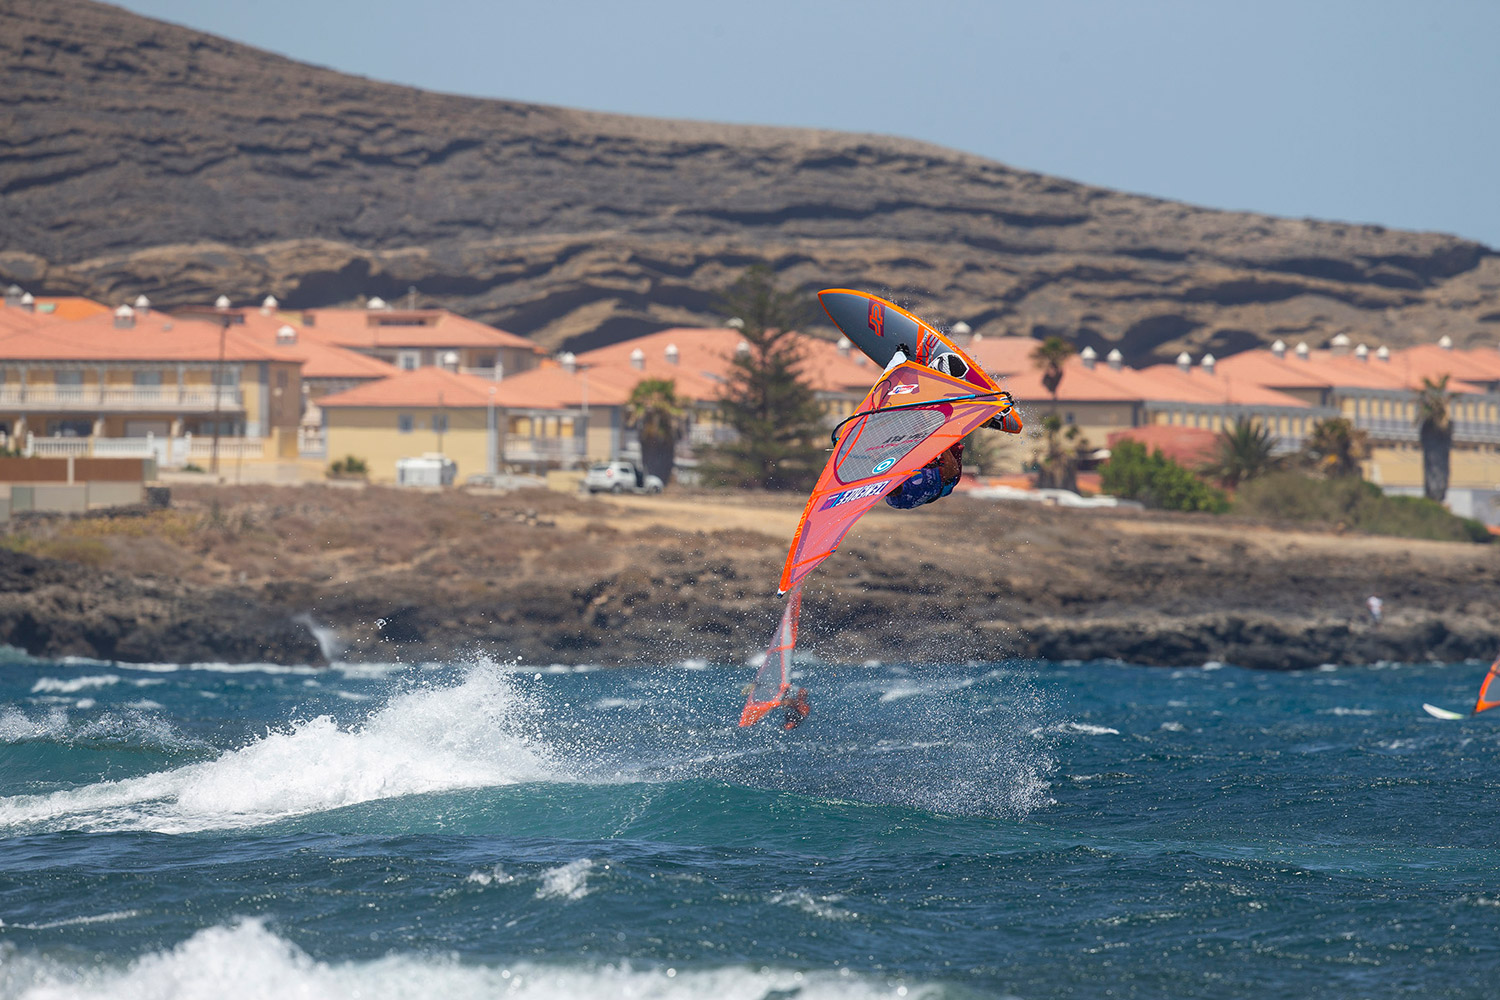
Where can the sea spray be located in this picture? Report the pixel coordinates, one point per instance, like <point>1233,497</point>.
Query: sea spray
<point>247,959</point>
<point>431,737</point>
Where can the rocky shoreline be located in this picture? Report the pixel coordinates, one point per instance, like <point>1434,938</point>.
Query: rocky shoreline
<point>302,575</point>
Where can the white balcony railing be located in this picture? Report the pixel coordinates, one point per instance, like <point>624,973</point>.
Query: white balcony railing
<point>56,447</point>
<point>201,449</point>
<point>168,452</point>
<point>543,449</point>
<point>311,442</point>
<point>130,398</point>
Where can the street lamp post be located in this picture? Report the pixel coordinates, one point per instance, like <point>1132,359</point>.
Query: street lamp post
<point>491,465</point>
<point>218,386</point>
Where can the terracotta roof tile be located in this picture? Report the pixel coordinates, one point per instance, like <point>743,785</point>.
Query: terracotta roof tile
<point>368,328</point>
<point>322,359</point>
<point>154,336</point>
<point>1188,446</point>
<point>424,387</point>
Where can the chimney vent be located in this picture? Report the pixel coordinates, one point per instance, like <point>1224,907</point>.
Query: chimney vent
<point>222,302</point>
<point>1089,356</point>
<point>1115,358</point>
<point>735,323</point>
<point>1362,353</point>
<point>1208,364</point>
<point>124,318</point>
<point>450,361</point>
<point>569,361</point>
<point>1278,349</point>
<point>268,305</point>
<point>1340,344</point>
<point>13,294</point>
<point>1302,352</point>
<point>28,303</point>
<point>1445,342</point>
<point>672,354</point>
<point>742,348</point>
<point>1184,363</point>
<point>376,302</point>
<point>142,305</point>
<point>844,346</point>
<point>286,335</point>
<point>1383,353</point>
<point>638,359</point>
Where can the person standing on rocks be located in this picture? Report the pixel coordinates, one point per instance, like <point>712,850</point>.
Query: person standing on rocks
<point>1375,604</point>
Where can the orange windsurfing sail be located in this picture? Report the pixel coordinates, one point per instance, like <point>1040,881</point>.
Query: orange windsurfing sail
<point>1489,689</point>
<point>774,677</point>
<point>911,415</point>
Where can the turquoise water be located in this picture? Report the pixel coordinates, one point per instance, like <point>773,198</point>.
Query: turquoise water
<point>474,830</point>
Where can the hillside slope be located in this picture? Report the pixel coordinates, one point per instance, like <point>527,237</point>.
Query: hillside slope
<point>140,156</point>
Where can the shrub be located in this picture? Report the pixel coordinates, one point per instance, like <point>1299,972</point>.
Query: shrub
<point>349,465</point>
<point>1352,503</point>
<point>1157,481</point>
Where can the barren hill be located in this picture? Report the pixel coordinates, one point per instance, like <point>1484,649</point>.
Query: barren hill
<point>137,156</point>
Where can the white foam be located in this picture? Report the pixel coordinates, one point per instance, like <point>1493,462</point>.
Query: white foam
<point>1082,729</point>
<point>1341,710</point>
<point>427,740</point>
<point>98,918</point>
<point>569,881</point>
<point>817,906</point>
<point>495,876</point>
<point>608,704</point>
<point>74,685</point>
<point>928,688</point>
<point>246,960</point>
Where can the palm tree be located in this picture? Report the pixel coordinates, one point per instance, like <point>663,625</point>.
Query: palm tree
<point>1335,448</point>
<point>1241,453</point>
<point>1435,427</point>
<point>1049,356</point>
<point>656,411</point>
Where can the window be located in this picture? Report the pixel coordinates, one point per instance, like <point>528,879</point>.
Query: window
<point>408,361</point>
<point>151,378</point>
<point>226,375</point>
<point>1067,418</point>
<point>440,422</point>
<point>404,423</point>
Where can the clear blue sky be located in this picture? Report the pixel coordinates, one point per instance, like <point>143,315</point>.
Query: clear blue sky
<point>1359,110</point>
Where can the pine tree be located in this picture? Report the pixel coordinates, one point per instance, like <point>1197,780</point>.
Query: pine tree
<point>773,412</point>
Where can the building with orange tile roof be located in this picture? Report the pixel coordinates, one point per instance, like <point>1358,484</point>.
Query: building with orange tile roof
<point>1378,391</point>
<point>415,413</point>
<point>70,307</point>
<point>84,386</point>
<point>414,338</point>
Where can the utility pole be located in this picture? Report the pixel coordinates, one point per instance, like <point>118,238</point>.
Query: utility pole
<point>218,386</point>
<point>491,465</point>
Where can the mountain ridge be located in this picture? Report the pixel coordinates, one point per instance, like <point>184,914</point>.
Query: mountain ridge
<point>142,157</point>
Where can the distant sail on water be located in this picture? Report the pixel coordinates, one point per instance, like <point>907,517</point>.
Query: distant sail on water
<point>774,677</point>
<point>1489,689</point>
<point>1489,697</point>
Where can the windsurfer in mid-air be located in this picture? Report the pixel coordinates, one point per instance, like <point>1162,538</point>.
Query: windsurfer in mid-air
<point>933,481</point>
<point>796,707</point>
<point>937,478</point>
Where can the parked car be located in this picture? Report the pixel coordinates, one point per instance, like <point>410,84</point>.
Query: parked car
<point>620,476</point>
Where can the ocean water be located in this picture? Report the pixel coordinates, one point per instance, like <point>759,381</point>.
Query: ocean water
<point>479,829</point>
